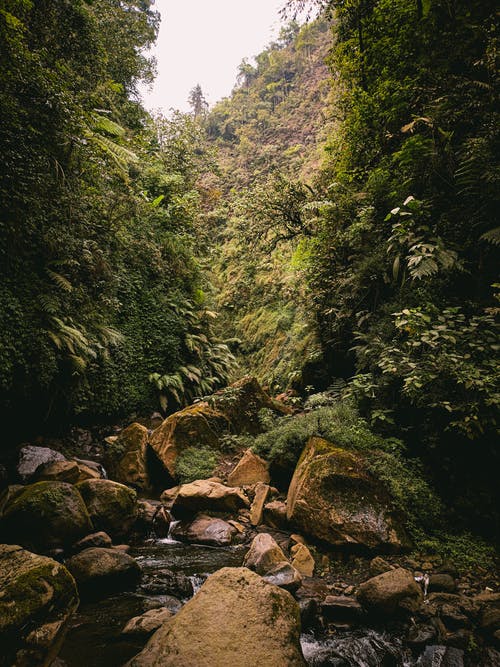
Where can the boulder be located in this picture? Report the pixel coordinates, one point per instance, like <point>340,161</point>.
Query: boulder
<point>31,457</point>
<point>442,583</point>
<point>153,517</point>
<point>206,496</point>
<point>126,457</point>
<point>90,469</point>
<point>161,581</point>
<point>99,571</point>
<point>235,619</point>
<point>112,506</point>
<point>390,593</point>
<point>168,496</point>
<point>341,609</point>
<point>196,425</point>
<point>334,498</point>
<point>100,539</point>
<point>147,623</point>
<point>204,530</point>
<point>378,566</point>
<point>249,470</point>
<point>285,576</point>
<point>38,597</point>
<point>264,554</point>
<point>275,514</point>
<point>257,508</point>
<point>45,516</point>
<point>302,560</point>
<point>58,471</point>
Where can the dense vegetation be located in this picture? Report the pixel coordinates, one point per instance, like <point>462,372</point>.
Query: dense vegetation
<point>99,285</point>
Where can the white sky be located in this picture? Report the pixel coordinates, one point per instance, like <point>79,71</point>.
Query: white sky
<point>204,41</point>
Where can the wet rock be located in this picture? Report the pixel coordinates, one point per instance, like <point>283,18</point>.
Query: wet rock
<point>100,571</point>
<point>31,457</point>
<point>165,582</point>
<point>275,514</point>
<point>442,583</point>
<point>153,517</point>
<point>100,539</point>
<point>309,614</point>
<point>334,498</point>
<point>264,554</point>
<point>112,506</point>
<point>147,623</point>
<point>390,593</point>
<point>204,530</point>
<point>205,496</point>
<point>262,628</point>
<point>341,609</point>
<point>302,560</point>
<point>44,516</point>
<point>168,496</point>
<point>441,656</point>
<point>38,597</point>
<point>420,636</point>
<point>378,566</point>
<point>257,508</point>
<point>250,469</point>
<point>285,576</point>
<point>126,457</point>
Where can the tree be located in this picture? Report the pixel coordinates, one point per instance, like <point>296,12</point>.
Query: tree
<point>197,102</point>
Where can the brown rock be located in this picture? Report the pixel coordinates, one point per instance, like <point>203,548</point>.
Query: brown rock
<point>442,583</point>
<point>236,619</point>
<point>147,623</point>
<point>126,457</point>
<point>390,593</point>
<point>249,470</point>
<point>341,609</point>
<point>264,554</point>
<point>100,539</point>
<point>378,566</point>
<point>333,497</point>
<point>302,560</point>
<point>169,495</point>
<point>204,496</point>
<point>101,571</point>
<point>58,471</point>
<point>275,514</point>
<point>112,506</point>
<point>257,508</point>
<point>285,576</point>
<point>204,530</point>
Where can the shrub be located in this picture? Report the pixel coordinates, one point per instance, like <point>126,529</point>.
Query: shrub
<point>195,463</point>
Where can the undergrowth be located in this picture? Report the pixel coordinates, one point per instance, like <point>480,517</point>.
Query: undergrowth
<point>195,463</point>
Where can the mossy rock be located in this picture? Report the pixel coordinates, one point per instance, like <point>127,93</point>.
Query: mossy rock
<point>111,506</point>
<point>334,498</point>
<point>45,516</point>
<point>38,597</point>
<point>126,457</point>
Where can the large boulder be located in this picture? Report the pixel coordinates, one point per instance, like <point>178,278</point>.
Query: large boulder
<point>45,516</point>
<point>204,530</point>
<point>205,496</point>
<point>235,619</point>
<point>390,593</point>
<point>126,457</point>
<point>31,457</point>
<point>334,498</point>
<point>112,506</point>
<point>250,469</point>
<point>38,596</point>
<point>196,425</point>
<point>99,571</point>
<point>58,471</point>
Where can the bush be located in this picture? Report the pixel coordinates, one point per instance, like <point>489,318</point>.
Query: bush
<point>195,463</point>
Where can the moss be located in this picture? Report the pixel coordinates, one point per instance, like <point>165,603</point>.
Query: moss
<point>195,463</point>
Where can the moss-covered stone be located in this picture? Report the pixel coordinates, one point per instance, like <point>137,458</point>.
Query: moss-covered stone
<point>333,497</point>
<point>111,506</point>
<point>126,457</point>
<point>45,515</point>
<point>38,596</point>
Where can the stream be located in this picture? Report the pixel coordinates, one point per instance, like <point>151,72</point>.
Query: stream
<point>94,638</point>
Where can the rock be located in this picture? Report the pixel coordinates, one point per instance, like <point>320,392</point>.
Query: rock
<point>31,457</point>
<point>44,516</point>
<point>441,656</point>
<point>100,539</point>
<point>205,496</point>
<point>165,582</point>
<point>58,471</point>
<point>147,623</point>
<point>38,597</point>
<point>168,496</point>
<point>112,506</point>
<point>341,609</point>
<point>124,548</point>
<point>9,494</point>
<point>442,583</point>
<point>153,517</point>
<point>262,628</point>
<point>197,425</point>
<point>275,514</point>
<point>250,469</point>
<point>90,470</point>
<point>302,560</point>
<point>334,498</point>
<point>126,457</point>
<point>378,566</point>
<point>204,530</point>
<point>489,612</point>
<point>420,636</point>
<point>257,508</point>
<point>390,593</point>
<point>264,554</point>
<point>100,571</point>
<point>285,576</point>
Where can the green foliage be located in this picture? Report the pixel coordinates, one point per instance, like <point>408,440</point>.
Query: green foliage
<point>195,463</point>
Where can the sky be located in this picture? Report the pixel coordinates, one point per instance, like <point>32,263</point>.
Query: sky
<point>204,41</point>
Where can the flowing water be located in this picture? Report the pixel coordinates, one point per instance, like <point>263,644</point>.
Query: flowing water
<point>94,638</point>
